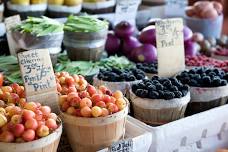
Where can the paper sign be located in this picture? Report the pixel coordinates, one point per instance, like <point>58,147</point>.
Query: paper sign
<point>126,10</point>
<point>177,5</point>
<point>38,76</point>
<point>122,146</point>
<point>170,47</point>
<point>9,23</point>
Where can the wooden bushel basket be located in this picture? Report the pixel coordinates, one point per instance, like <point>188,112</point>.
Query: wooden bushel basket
<point>158,111</point>
<point>203,99</point>
<point>45,144</point>
<point>92,134</point>
<point>85,45</point>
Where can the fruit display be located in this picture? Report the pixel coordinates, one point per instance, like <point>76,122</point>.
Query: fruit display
<point>98,6</point>
<point>25,8</point>
<point>63,8</point>
<point>202,60</point>
<point>22,121</point>
<point>117,79</point>
<point>205,9</point>
<point>205,17</point>
<point>142,48</point>
<point>204,77</point>
<point>160,88</point>
<point>81,99</point>
<point>158,100</point>
<point>150,69</point>
<point>116,75</point>
<point>84,37</point>
<point>208,87</point>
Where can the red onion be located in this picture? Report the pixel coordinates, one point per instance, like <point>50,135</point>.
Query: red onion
<point>148,35</point>
<point>112,44</point>
<point>129,44</point>
<point>191,48</point>
<point>146,53</point>
<point>187,33</point>
<point>124,29</point>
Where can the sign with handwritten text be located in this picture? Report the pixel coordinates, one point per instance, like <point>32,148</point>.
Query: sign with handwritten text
<point>126,10</point>
<point>9,23</point>
<point>170,47</point>
<point>38,76</point>
<point>122,146</point>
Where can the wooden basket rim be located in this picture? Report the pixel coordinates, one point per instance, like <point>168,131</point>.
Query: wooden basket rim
<point>99,121</point>
<point>42,142</point>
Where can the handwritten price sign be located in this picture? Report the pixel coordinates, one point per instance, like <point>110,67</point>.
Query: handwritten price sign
<point>122,146</point>
<point>38,76</point>
<point>126,10</point>
<point>170,46</point>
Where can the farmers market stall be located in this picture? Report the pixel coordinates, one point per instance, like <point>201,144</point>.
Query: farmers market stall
<point>113,76</point>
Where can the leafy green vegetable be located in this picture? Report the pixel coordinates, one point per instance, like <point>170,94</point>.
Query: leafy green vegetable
<point>84,24</point>
<point>39,26</point>
<point>88,68</point>
<point>9,66</point>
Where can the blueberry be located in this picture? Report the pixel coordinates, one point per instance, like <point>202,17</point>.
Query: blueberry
<point>100,76</point>
<point>193,83</point>
<point>161,94</point>
<point>206,80</point>
<point>139,92</point>
<point>134,87</point>
<point>131,78</point>
<point>173,88</point>
<point>223,82</point>
<point>167,83</point>
<point>168,95</point>
<point>184,93</point>
<point>155,82</point>
<point>153,94</point>
<point>142,93</point>
<point>192,71</point>
<point>186,80</point>
<point>151,87</point>
<point>146,80</point>
<point>148,83</point>
<point>141,85</point>
<point>178,94</point>
<point>216,82</point>
<point>212,74</point>
<point>155,78</point>
<point>159,87</point>
<point>139,76</point>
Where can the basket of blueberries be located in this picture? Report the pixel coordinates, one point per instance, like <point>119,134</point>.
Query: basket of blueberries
<point>208,87</point>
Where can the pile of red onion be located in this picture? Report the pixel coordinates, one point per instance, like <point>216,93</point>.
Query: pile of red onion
<point>143,48</point>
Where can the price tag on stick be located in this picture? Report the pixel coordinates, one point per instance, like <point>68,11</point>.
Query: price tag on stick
<point>9,23</point>
<point>126,10</point>
<point>170,47</point>
<point>38,76</point>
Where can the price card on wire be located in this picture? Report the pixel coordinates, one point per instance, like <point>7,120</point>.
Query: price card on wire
<point>122,146</point>
<point>170,47</point>
<point>126,10</point>
<point>9,23</point>
<point>38,75</point>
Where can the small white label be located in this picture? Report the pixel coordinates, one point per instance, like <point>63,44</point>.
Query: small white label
<point>170,47</point>
<point>126,10</point>
<point>122,146</point>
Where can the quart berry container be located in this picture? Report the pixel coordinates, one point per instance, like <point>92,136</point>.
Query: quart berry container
<point>208,27</point>
<point>146,68</point>
<point>205,98</point>
<point>123,86</point>
<point>35,10</point>
<point>99,7</point>
<point>93,134</point>
<point>158,110</point>
<point>46,144</point>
